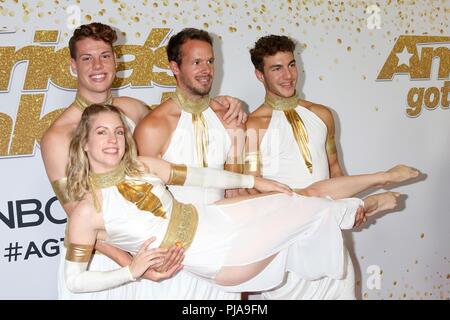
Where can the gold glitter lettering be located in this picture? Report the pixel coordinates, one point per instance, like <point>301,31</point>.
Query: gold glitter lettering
<point>46,36</point>
<point>144,61</point>
<point>5,133</point>
<point>7,61</point>
<point>417,97</point>
<point>415,67</point>
<point>60,69</point>
<point>29,125</point>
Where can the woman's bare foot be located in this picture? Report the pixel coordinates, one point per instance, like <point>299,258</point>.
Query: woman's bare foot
<point>379,202</point>
<point>400,173</point>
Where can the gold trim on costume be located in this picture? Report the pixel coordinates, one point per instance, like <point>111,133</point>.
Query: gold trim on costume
<point>178,173</point>
<point>201,138</point>
<point>281,104</point>
<point>60,189</point>
<point>198,120</point>
<point>189,105</point>
<point>140,193</point>
<point>300,135</point>
<point>105,180</point>
<point>182,226</point>
<point>288,105</point>
<point>79,252</point>
<point>252,162</point>
<point>82,103</point>
<point>234,167</point>
<point>331,145</point>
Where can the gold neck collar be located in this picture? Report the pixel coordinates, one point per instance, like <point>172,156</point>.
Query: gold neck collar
<point>281,104</point>
<point>108,179</point>
<point>189,105</point>
<point>82,103</point>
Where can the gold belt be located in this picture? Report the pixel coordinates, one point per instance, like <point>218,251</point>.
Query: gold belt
<point>182,226</point>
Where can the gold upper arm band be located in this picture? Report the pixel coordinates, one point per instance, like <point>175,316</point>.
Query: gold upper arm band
<point>252,162</point>
<point>60,190</point>
<point>178,174</point>
<point>79,252</point>
<point>331,145</point>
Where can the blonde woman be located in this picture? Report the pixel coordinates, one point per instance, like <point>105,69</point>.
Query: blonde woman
<point>242,244</point>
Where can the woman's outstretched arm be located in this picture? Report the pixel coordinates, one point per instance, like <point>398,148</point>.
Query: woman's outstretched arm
<point>209,177</point>
<point>348,186</point>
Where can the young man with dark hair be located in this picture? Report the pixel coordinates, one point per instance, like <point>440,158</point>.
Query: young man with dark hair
<point>291,140</point>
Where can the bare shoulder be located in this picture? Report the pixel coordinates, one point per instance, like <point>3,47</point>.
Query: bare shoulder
<point>133,108</point>
<point>260,118</point>
<point>159,119</point>
<point>153,133</point>
<point>54,146</point>
<point>323,112</point>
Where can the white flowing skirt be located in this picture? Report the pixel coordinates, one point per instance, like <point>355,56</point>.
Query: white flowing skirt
<point>304,232</point>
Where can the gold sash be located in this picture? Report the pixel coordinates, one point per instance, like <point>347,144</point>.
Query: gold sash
<point>183,217</point>
<point>196,108</point>
<point>288,105</point>
<point>141,195</point>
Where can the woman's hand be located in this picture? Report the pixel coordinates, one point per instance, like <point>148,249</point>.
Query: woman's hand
<point>266,185</point>
<point>145,259</point>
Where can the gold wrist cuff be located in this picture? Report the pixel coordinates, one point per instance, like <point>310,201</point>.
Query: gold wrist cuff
<point>178,174</point>
<point>79,252</point>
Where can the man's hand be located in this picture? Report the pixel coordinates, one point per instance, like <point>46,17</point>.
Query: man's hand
<point>171,265</point>
<point>234,107</point>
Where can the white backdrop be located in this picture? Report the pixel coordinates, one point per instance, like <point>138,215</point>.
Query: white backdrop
<point>363,62</point>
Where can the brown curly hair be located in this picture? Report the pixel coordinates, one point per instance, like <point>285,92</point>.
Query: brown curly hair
<point>269,46</point>
<point>94,30</point>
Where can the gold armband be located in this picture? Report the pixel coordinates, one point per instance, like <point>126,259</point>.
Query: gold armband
<point>178,174</point>
<point>79,252</point>
<point>60,190</point>
<point>331,145</point>
<point>252,162</point>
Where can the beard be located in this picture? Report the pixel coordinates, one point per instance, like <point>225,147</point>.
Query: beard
<point>199,91</point>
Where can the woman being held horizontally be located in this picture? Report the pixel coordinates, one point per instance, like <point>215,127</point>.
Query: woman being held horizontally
<point>243,243</point>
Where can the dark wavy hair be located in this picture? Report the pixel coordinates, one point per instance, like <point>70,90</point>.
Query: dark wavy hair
<point>177,40</point>
<point>269,46</point>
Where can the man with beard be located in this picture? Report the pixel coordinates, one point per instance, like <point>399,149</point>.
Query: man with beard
<point>186,129</point>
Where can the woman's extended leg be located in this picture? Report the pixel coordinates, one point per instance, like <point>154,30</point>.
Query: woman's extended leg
<point>233,275</point>
<point>348,186</point>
